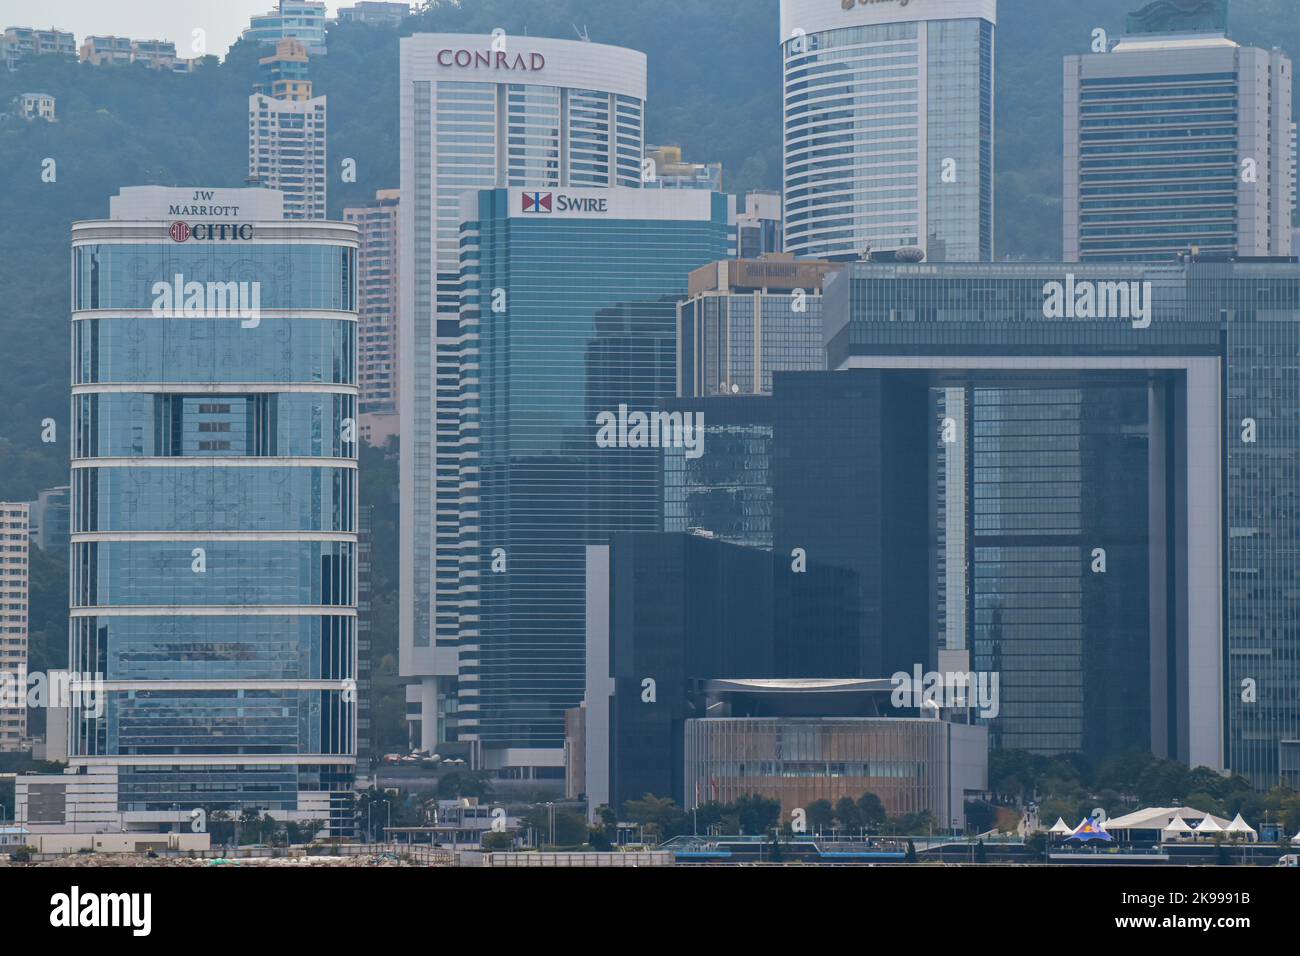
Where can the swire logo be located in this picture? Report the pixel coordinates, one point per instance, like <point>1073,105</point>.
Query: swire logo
<point>539,202</point>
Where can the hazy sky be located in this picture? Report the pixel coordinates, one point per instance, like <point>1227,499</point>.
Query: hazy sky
<point>173,20</point>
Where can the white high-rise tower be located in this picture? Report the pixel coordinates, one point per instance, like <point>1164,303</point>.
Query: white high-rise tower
<point>477,112</point>
<point>889,127</point>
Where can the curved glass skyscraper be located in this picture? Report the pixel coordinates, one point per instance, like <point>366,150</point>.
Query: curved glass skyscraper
<point>888,127</point>
<point>214,505</point>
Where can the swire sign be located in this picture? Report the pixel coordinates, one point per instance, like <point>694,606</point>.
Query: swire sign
<point>492,60</point>
<point>543,204</point>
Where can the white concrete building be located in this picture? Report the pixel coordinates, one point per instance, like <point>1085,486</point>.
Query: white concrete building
<point>1175,142</point>
<point>377,297</point>
<point>14,547</point>
<point>287,130</point>
<point>33,106</point>
<point>888,126</point>
<point>287,151</point>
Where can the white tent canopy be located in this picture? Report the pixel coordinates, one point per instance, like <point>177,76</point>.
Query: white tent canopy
<point>1060,826</point>
<point>1238,825</point>
<point>1178,825</point>
<point>1209,826</point>
<point>1158,818</point>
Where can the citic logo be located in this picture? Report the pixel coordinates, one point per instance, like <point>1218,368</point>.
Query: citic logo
<point>210,231</point>
<point>539,202</point>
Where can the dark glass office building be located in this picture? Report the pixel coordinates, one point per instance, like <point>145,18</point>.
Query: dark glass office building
<point>1056,471</point>
<point>668,615</point>
<point>1071,395</point>
<point>682,609</point>
<point>829,472</point>
<point>845,454</point>
<point>569,309</point>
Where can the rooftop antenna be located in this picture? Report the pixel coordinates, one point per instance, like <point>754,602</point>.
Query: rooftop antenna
<point>582,34</point>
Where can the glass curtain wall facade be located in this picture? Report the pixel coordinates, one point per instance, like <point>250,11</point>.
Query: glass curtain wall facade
<point>301,19</point>
<point>829,474</point>
<point>727,492</point>
<point>748,318</point>
<point>571,315</point>
<point>541,113</point>
<point>1216,342</point>
<point>1057,472</point>
<point>214,519</point>
<point>1262,306</point>
<point>731,344</point>
<point>682,609</point>
<point>889,128</point>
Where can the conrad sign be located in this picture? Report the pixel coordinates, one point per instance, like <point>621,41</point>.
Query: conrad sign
<point>491,60</point>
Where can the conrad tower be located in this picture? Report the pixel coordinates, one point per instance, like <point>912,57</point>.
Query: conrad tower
<point>477,112</point>
<point>888,125</point>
